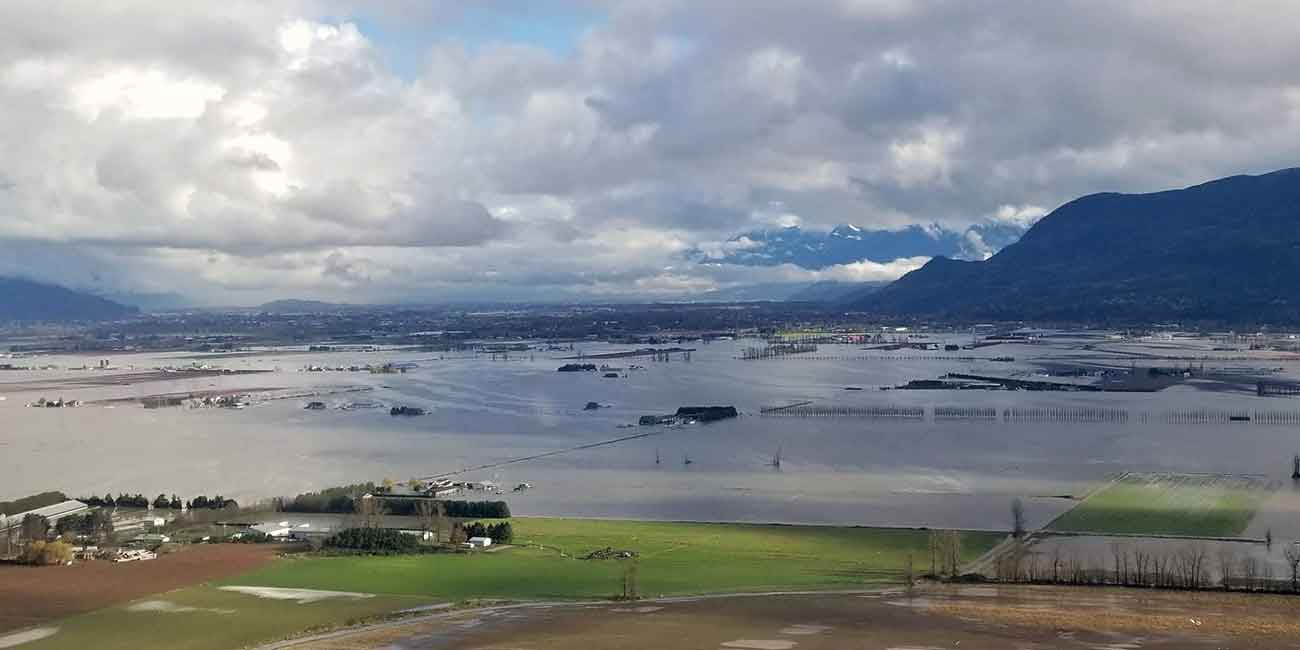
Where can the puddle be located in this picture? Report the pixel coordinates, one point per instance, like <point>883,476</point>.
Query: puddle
<point>302,596</point>
<point>26,636</point>
<point>168,607</point>
<point>801,629</point>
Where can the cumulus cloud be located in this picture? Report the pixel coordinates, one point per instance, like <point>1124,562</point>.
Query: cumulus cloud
<point>245,150</point>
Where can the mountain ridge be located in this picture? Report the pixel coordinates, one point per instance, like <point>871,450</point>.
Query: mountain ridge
<point>22,299</point>
<point>1221,250</point>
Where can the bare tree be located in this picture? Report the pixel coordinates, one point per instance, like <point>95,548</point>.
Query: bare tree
<point>631,588</point>
<point>1146,567</point>
<point>370,511</point>
<point>1010,565</point>
<point>945,552</point>
<point>933,548</point>
<point>10,530</point>
<point>909,573</point>
<point>1116,552</point>
<point>952,546</point>
<point>1292,555</point>
<point>1074,568</point>
<point>1017,518</point>
<point>1227,560</point>
<point>427,512</point>
<point>1250,572</point>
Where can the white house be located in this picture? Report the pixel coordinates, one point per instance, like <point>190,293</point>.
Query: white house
<point>479,542</point>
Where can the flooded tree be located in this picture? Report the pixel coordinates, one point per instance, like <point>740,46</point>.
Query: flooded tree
<point>909,573</point>
<point>1010,565</point>
<point>1250,573</point>
<point>369,512</point>
<point>1017,518</point>
<point>1292,555</point>
<point>1227,561</point>
<point>426,511</point>
<point>945,552</point>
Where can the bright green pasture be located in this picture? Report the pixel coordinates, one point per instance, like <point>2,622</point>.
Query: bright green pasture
<point>1198,505</point>
<point>673,558</point>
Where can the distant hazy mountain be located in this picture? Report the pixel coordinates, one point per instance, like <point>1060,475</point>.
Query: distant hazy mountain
<point>847,244</point>
<point>294,306</point>
<point>1227,250</point>
<point>825,291</point>
<point>833,291</point>
<point>148,301</point>
<point>26,300</point>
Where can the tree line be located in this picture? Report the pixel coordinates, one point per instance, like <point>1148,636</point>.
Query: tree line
<point>374,540</point>
<point>348,500</point>
<point>501,533</point>
<point>161,502</point>
<point>336,500</point>
<point>97,524</point>
<point>1191,566</point>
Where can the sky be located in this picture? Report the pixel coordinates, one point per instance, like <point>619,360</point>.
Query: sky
<point>241,151</point>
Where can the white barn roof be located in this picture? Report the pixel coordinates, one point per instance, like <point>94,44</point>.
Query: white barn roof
<point>52,513</point>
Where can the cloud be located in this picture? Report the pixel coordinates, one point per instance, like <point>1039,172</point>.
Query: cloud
<point>245,150</point>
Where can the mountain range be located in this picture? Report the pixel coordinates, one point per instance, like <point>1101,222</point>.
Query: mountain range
<point>846,244</point>
<point>27,300</point>
<point>1227,250</point>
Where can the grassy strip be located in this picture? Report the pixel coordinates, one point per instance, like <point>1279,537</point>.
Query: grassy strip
<point>673,559</point>
<point>1178,506</point>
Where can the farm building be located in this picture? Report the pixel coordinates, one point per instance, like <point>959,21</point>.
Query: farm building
<point>152,539</point>
<point>301,531</point>
<point>51,513</point>
<point>479,542</point>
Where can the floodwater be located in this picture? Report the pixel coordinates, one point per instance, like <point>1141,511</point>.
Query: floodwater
<point>833,470</point>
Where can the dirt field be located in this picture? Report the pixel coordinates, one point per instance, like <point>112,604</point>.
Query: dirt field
<point>32,595</point>
<point>978,618</point>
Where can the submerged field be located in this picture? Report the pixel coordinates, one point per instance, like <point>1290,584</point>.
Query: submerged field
<point>1197,505</point>
<point>673,559</point>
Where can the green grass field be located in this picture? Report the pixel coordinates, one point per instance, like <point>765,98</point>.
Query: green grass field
<point>1197,505</point>
<point>220,621</point>
<point>674,559</point>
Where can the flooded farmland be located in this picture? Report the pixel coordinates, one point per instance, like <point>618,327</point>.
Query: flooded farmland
<point>856,455</point>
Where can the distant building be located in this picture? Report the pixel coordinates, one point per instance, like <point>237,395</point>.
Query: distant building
<point>153,538</point>
<point>302,532</point>
<point>479,542</point>
<point>52,513</point>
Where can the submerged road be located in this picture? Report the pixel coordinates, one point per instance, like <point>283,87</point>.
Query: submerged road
<point>545,454</point>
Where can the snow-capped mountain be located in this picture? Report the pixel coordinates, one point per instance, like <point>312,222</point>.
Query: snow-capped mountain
<point>848,243</point>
